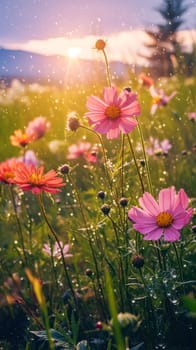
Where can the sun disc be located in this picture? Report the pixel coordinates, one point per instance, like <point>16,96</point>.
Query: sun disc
<point>73,52</point>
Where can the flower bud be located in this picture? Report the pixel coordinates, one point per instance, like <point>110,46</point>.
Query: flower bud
<point>142,162</point>
<point>99,325</point>
<point>105,209</point>
<point>72,123</point>
<point>127,89</point>
<point>64,169</point>
<point>100,44</point>
<point>138,261</point>
<point>184,152</point>
<point>101,194</point>
<point>123,202</point>
<point>89,272</point>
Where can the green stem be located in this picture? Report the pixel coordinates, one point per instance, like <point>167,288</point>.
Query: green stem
<point>156,245</point>
<point>59,245</point>
<point>145,158</point>
<point>149,302</point>
<point>90,243</point>
<point>107,68</point>
<point>104,154</point>
<point>122,283</point>
<point>179,264</point>
<point>20,233</point>
<point>122,164</point>
<point>136,165</point>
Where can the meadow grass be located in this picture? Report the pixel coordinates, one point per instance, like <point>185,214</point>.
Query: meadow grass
<point>102,245</point>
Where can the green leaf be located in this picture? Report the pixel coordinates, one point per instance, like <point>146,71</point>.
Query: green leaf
<point>113,311</point>
<point>190,305</point>
<point>58,338</point>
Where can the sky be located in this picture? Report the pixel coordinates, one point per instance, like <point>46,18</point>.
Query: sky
<point>62,26</point>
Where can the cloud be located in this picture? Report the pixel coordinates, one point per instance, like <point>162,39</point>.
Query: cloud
<point>125,46</point>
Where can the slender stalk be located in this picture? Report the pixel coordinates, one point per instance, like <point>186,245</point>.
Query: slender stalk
<point>122,283</point>
<point>20,233</point>
<point>145,158</point>
<point>122,164</point>
<point>179,263</point>
<point>156,245</point>
<point>149,301</point>
<point>104,154</point>
<point>59,245</point>
<point>107,68</point>
<point>136,165</point>
<point>90,243</point>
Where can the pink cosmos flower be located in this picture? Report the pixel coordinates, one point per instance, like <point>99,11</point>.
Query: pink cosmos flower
<point>114,113</point>
<point>159,98</point>
<point>158,148</point>
<point>163,218</point>
<point>55,251</point>
<point>191,116</point>
<point>32,178</point>
<point>28,158</point>
<point>7,170</point>
<point>37,127</point>
<point>82,150</point>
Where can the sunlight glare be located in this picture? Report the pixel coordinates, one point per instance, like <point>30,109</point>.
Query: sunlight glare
<point>73,52</point>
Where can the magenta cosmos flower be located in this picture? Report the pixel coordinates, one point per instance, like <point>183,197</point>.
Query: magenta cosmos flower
<point>83,150</point>
<point>56,252</point>
<point>159,98</point>
<point>114,113</point>
<point>191,116</point>
<point>37,127</point>
<point>164,218</point>
<point>32,178</point>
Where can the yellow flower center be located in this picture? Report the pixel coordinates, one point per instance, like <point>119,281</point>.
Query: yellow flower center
<point>8,175</point>
<point>164,219</point>
<point>24,140</point>
<point>156,100</point>
<point>35,179</point>
<point>112,112</point>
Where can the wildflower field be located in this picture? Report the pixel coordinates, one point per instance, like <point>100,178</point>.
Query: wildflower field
<point>97,214</point>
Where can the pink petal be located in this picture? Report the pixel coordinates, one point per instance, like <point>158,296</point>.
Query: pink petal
<point>95,116</point>
<point>171,235</point>
<point>145,228</point>
<point>166,199</point>
<point>154,235</point>
<point>105,125</point>
<point>153,92</point>
<point>110,95</point>
<point>149,204</point>
<point>183,198</point>
<point>189,215</point>
<point>153,109</point>
<point>126,125</point>
<point>131,110</point>
<point>94,103</point>
<point>136,214</point>
<point>113,133</point>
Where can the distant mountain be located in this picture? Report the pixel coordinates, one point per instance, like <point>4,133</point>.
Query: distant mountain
<point>31,67</point>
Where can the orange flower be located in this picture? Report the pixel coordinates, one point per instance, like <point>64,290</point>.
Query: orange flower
<point>20,139</point>
<point>7,170</point>
<point>145,80</point>
<point>32,178</point>
<point>100,44</point>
